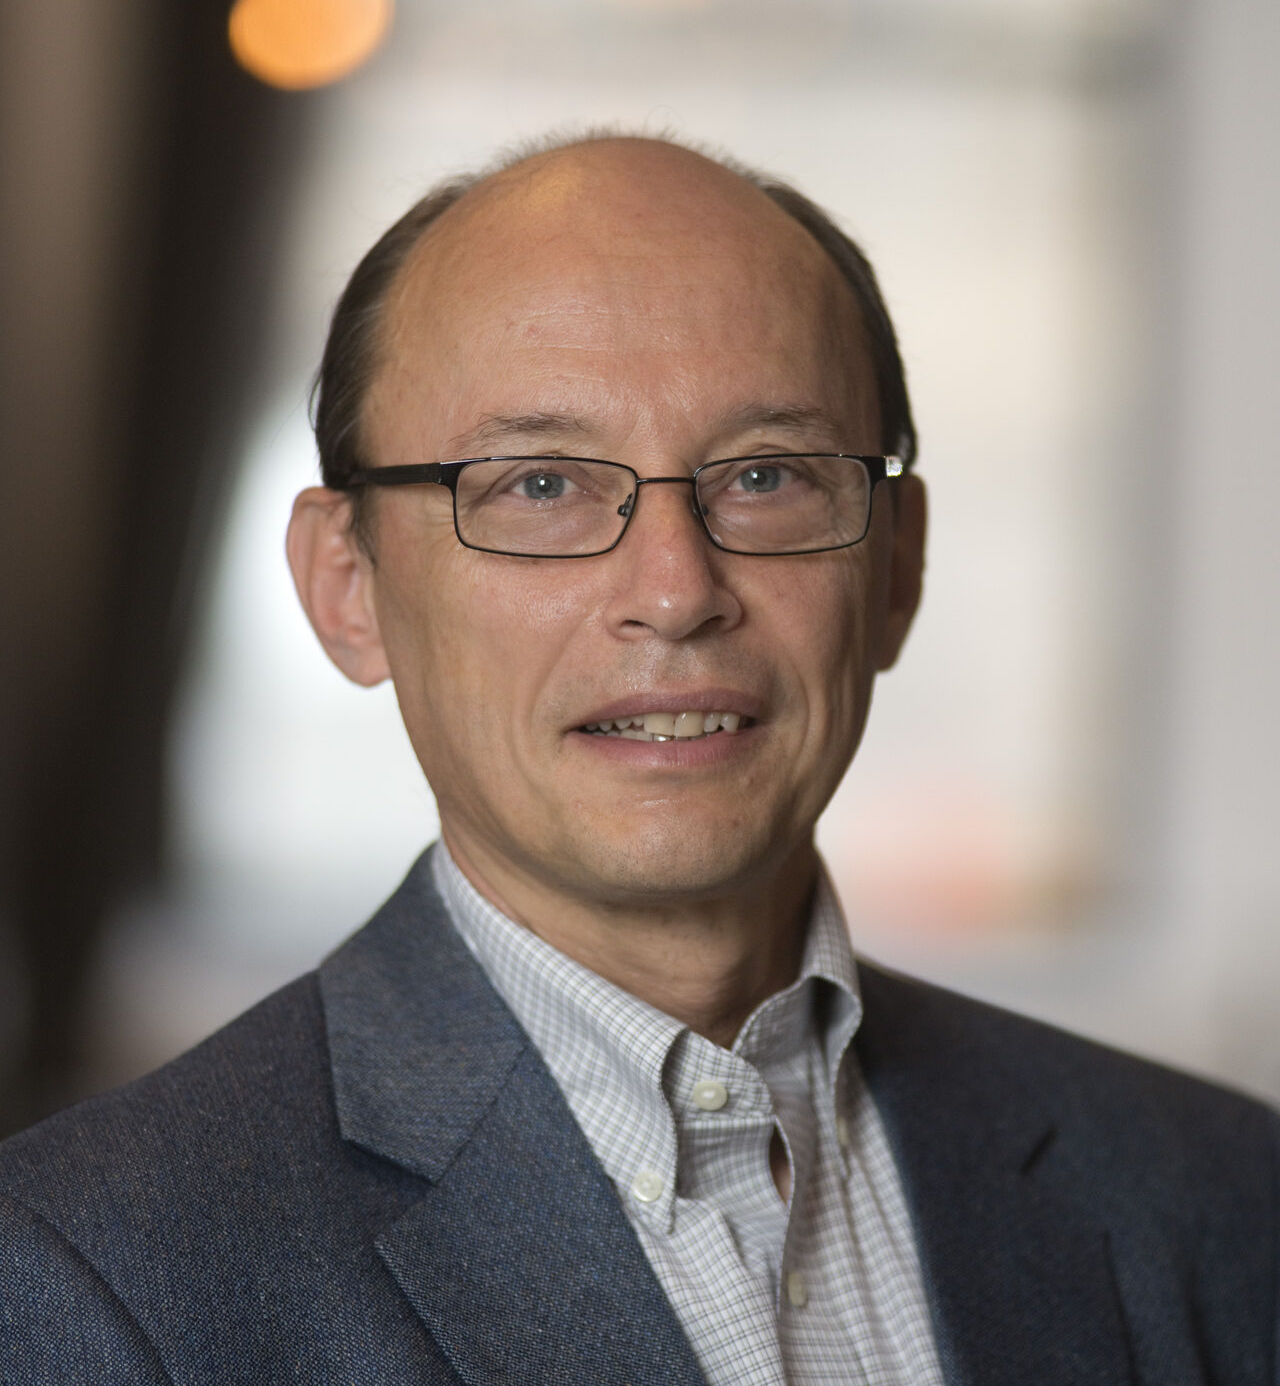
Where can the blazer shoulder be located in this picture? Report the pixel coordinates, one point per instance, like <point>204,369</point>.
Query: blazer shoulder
<point>250,1090</point>
<point>209,1220</point>
<point>1016,1136</point>
<point>1132,1111</point>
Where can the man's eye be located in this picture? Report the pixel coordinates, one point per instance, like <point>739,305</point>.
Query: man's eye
<point>761,479</point>
<point>543,486</point>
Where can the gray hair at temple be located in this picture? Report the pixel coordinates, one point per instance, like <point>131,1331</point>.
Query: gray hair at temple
<point>351,351</point>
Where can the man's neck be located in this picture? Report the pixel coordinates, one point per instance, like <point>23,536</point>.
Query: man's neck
<point>707,961</point>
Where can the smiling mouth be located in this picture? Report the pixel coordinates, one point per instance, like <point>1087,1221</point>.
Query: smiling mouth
<point>669,726</point>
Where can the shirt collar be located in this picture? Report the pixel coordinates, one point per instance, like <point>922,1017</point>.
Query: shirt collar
<point>834,1010</point>
<point>604,1045</point>
<point>590,1032</point>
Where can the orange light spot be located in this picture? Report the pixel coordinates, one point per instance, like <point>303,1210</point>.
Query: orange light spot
<point>297,44</point>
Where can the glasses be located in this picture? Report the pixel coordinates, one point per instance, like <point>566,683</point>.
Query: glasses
<point>574,507</point>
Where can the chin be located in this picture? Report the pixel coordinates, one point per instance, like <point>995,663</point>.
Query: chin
<point>666,863</point>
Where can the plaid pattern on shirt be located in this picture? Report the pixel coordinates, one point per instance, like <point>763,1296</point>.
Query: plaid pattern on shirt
<point>826,1288</point>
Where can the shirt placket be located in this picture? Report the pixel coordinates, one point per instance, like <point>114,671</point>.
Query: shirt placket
<point>727,1213</point>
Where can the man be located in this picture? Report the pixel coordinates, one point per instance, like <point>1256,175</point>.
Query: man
<point>616,453</point>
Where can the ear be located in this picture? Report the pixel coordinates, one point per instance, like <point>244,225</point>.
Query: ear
<point>335,578</point>
<point>906,572</point>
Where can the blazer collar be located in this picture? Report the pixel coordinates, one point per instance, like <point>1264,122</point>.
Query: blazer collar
<point>1018,1273</point>
<point>518,1256</point>
<point>420,1043</point>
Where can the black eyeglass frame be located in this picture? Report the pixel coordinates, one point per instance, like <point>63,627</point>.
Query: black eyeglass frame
<point>879,468</point>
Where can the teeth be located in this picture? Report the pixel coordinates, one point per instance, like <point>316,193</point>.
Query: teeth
<point>667,726</point>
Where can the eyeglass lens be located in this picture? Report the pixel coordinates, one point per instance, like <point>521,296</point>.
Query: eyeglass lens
<point>566,507</point>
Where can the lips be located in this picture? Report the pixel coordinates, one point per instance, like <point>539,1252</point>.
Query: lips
<point>673,714</point>
<point>687,725</point>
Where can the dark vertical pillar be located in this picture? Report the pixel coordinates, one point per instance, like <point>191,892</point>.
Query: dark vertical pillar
<point>143,295</point>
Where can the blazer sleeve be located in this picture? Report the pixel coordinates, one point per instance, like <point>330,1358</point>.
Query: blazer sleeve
<point>60,1322</point>
<point>1275,1264</point>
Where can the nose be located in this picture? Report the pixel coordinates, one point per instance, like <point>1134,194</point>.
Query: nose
<point>670,580</point>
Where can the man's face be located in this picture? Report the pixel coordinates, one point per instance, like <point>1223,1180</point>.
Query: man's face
<point>634,303</point>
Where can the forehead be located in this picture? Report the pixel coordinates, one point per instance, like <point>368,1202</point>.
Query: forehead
<point>634,283</point>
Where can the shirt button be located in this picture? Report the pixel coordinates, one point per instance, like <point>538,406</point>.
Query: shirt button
<point>842,1133</point>
<point>797,1290</point>
<point>647,1186</point>
<point>710,1095</point>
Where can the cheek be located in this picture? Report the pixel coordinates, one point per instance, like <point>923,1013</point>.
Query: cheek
<point>472,639</point>
<point>822,626</point>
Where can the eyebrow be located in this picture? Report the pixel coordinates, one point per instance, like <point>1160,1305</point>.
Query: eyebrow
<point>499,427</point>
<point>796,418</point>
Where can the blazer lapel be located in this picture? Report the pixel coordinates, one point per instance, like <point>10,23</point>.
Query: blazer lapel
<point>518,1257</point>
<point>522,1264</point>
<point>1018,1273</point>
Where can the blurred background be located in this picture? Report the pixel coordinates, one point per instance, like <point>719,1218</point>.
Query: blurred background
<point>1067,797</point>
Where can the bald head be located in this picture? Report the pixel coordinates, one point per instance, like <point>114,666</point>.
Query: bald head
<point>581,204</point>
<point>606,200</point>
<point>603,202</point>
<point>626,186</point>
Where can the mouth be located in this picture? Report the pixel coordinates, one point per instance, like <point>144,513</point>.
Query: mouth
<point>669,726</point>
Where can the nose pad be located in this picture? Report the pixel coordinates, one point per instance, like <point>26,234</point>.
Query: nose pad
<point>696,508</point>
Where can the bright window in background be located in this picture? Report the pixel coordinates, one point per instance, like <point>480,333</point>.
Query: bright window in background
<point>991,159</point>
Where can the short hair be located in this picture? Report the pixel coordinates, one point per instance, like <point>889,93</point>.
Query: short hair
<point>351,350</point>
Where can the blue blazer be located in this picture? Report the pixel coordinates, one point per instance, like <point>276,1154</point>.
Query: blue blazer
<point>371,1177</point>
